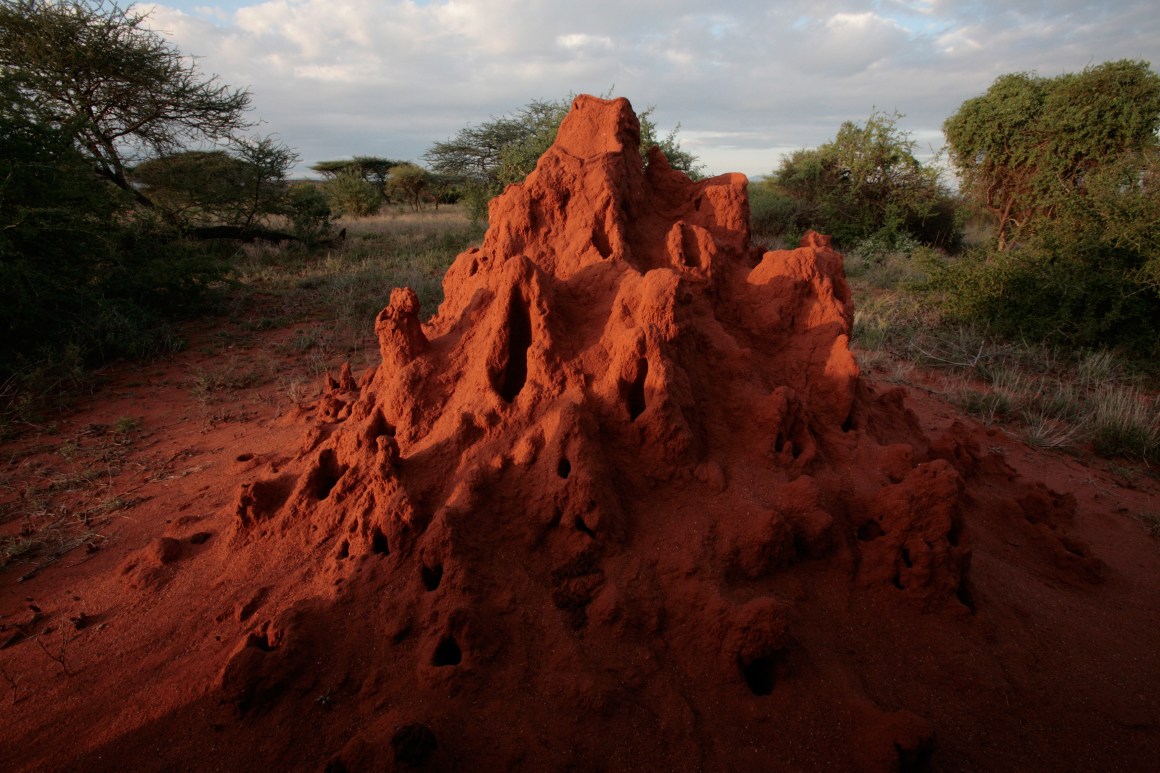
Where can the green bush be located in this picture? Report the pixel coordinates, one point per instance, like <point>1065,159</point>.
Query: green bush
<point>1086,298</point>
<point>80,271</point>
<point>350,194</point>
<point>865,183</point>
<point>771,214</point>
<point>1067,169</point>
<point>309,211</point>
<point>241,187</point>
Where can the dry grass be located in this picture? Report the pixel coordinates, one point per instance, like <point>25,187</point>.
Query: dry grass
<point>350,283</point>
<point>66,497</point>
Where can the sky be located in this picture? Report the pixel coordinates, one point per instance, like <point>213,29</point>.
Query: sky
<point>746,81</point>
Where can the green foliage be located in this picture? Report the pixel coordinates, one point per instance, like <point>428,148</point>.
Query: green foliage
<point>195,184</point>
<point>117,88</point>
<point>55,217</point>
<point>80,279</point>
<point>263,190</point>
<point>485,159</point>
<point>670,145</point>
<point>308,209</point>
<point>350,194</point>
<point>410,184</point>
<point>1083,297</point>
<point>864,182</point>
<point>1067,168</point>
<point>771,213</point>
<point>1028,148</point>
<point>374,169</point>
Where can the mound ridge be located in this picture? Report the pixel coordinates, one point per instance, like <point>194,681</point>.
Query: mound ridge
<point>626,502</point>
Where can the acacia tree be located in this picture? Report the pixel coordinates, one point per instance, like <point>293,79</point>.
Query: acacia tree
<point>118,88</point>
<point>203,187</point>
<point>374,169</point>
<point>411,183</point>
<point>1030,145</point>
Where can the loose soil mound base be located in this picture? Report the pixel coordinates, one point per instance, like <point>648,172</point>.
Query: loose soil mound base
<point>624,503</point>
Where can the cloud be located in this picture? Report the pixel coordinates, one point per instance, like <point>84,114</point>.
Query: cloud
<point>746,80</point>
<point>579,40</point>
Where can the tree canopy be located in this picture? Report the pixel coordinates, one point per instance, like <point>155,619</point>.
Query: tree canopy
<point>411,183</point>
<point>119,89</point>
<point>206,187</point>
<point>374,169</point>
<point>79,279</point>
<point>864,182</point>
<point>1068,168</point>
<point>1030,144</point>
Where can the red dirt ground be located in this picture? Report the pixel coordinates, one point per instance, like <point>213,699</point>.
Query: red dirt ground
<point>626,502</point>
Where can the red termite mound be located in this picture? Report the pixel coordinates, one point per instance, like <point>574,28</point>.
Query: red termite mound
<point>624,503</point>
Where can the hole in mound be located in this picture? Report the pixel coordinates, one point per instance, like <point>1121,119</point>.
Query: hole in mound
<point>697,204</point>
<point>963,594</point>
<point>343,550</point>
<point>896,581</point>
<point>914,760</point>
<point>870,531</point>
<point>690,250</point>
<point>905,555</point>
<point>413,744</point>
<point>953,535</point>
<point>582,525</point>
<point>515,371</point>
<point>848,424</point>
<point>633,391</point>
<point>326,474</point>
<point>261,499</point>
<point>259,642</point>
<point>601,243</point>
<point>447,653</point>
<point>431,575</point>
<point>779,443</point>
<point>564,469</point>
<point>379,544</point>
<point>760,674</point>
<point>245,457</point>
<point>379,426</point>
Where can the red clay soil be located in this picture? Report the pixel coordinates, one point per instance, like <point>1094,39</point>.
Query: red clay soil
<point>624,503</point>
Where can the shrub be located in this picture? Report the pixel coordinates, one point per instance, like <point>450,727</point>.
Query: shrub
<point>309,211</point>
<point>771,214</point>
<point>866,182</point>
<point>350,194</point>
<point>1086,298</point>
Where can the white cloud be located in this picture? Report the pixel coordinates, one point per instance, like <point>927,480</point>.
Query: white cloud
<point>579,40</point>
<point>746,81</point>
